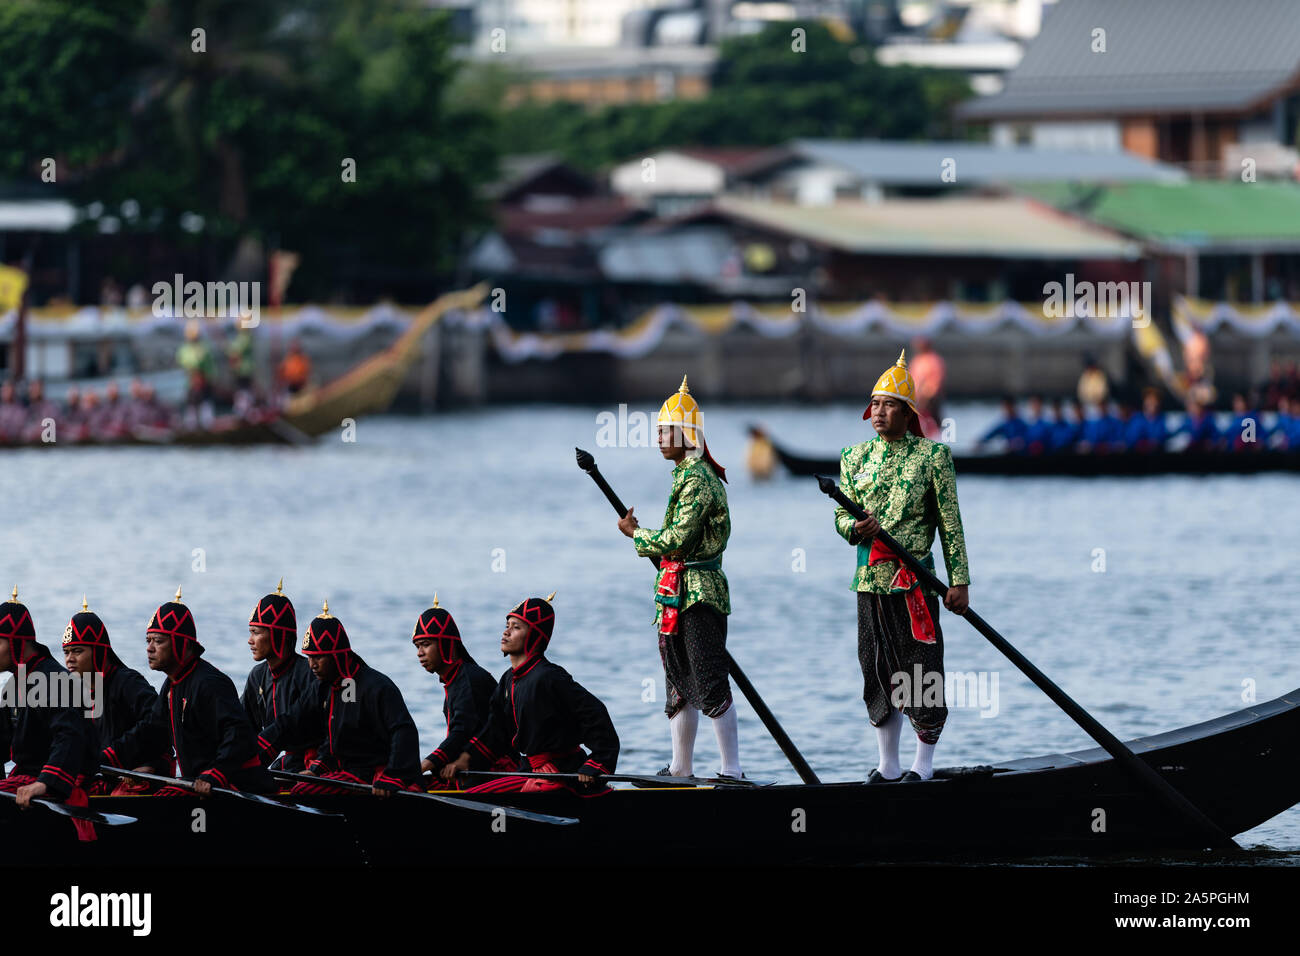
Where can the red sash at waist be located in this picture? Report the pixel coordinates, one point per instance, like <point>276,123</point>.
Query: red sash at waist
<point>904,580</point>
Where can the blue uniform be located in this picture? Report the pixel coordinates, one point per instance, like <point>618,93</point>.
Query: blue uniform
<point>1102,431</point>
<point>1012,430</point>
<point>1288,426</point>
<point>1204,433</point>
<point>1062,436</point>
<point>1143,431</point>
<point>1038,435</point>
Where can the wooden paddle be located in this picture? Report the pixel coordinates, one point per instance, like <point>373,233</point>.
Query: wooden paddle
<point>588,464</point>
<point>513,812</point>
<point>238,794</point>
<point>77,813</point>
<point>1140,769</point>
<point>642,779</point>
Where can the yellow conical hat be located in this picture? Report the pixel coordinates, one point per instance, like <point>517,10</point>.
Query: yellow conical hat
<point>682,409</point>
<point>896,382</point>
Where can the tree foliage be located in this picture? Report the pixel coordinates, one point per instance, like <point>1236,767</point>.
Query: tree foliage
<point>248,124</point>
<point>763,92</point>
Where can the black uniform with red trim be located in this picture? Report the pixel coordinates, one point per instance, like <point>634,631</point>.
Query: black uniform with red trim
<point>6,737</point>
<point>270,692</point>
<point>128,697</point>
<point>361,719</point>
<point>466,686</point>
<point>197,714</point>
<point>49,744</point>
<point>540,711</point>
<point>55,745</point>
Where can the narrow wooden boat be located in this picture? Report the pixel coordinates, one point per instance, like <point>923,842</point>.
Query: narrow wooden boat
<point>1240,769</point>
<point>368,388</point>
<point>1091,465</point>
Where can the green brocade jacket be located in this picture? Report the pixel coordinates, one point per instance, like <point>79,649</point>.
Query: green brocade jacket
<point>696,527</point>
<point>911,488</point>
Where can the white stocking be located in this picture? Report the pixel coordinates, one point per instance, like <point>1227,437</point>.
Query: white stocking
<point>683,724</point>
<point>728,742</point>
<point>922,765</point>
<point>887,737</point>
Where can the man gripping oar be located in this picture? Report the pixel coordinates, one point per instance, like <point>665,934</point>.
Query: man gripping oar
<point>907,485</point>
<point>52,739</point>
<point>196,716</point>
<point>691,596</point>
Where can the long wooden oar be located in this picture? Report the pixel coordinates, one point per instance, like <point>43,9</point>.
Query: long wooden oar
<point>450,801</point>
<point>644,779</point>
<point>588,464</point>
<point>237,794</point>
<point>78,813</point>
<point>1140,769</point>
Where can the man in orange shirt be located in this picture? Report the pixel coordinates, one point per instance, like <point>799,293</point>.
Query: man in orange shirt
<point>295,370</point>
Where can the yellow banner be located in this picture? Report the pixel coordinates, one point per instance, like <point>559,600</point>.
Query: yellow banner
<point>13,282</point>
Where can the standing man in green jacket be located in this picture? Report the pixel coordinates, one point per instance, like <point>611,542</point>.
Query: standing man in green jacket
<point>691,597</point>
<point>906,485</point>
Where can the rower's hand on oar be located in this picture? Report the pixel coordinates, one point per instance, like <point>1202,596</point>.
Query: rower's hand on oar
<point>459,765</point>
<point>29,793</point>
<point>380,792</point>
<point>867,527</point>
<point>957,599</point>
<point>202,787</point>
<point>586,779</point>
<point>628,523</point>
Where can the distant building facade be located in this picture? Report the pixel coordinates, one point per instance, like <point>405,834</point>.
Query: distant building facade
<point>1182,81</point>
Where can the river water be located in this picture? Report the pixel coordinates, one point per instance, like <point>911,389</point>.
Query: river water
<point>1155,603</point>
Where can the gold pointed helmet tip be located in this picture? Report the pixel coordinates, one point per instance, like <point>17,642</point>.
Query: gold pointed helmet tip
<point>279,588</point>
<point>902,359</point>
<point>435,599</point>
<point>684,390</point>
<point>84,606</point>
<point>177,599</point>
<point>325,608</point>
<point>14,594</point>
<point>550,597</point>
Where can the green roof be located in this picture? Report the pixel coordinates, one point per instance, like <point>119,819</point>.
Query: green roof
<point>1205,215</point>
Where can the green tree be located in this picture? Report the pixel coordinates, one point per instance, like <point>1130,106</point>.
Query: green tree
<point>248,125</point>
<point>764,92</point>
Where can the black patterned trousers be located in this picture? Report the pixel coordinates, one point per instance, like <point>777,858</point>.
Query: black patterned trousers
<point>897,668</point>
<point>696,662</point>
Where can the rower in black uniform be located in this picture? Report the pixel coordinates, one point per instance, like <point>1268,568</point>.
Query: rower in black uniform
<point>197,714</point>
<point>367,734</point>
<point>541,711</point>
<point>127,697</point>
<point>466,686</point>
<point>281,677</point>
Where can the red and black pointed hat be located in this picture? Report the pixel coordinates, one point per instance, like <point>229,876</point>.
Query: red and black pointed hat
<point>275,613</point>
<point>437,623</point>
<point>87,630</point>
<point>175,620</point>
<point>538,614</point>
<point>16,626</point>
<point>326,636</point>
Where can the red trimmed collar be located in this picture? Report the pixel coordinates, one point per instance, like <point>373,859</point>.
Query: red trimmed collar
<point>528,664</point>
<point>185,671</point>
<point>452,672</point>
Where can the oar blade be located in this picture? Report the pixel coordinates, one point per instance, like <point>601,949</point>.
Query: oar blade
<point>78,813</point>
<point>512,812</point>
